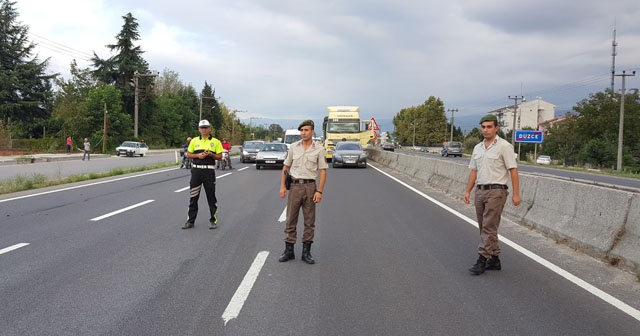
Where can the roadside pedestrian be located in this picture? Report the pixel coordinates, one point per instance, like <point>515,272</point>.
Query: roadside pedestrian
<point>305,161</point>
<point>204,150</point>
<point>492,163</point>
<point>185,149</point>
<point>87,149</point>
<point>69,144</point>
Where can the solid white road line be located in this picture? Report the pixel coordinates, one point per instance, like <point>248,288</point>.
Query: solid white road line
<point>237,301</point>
<point>283,215</point>
<point>243,168</point>
<point>85,185</point>
<point>121,210</point>
<point>13,247</point>
<point>547,264</point>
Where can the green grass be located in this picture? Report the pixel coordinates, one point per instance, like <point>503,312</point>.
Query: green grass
<point>35,181</point>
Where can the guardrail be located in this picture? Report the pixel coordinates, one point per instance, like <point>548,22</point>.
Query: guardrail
<point>600,221</point>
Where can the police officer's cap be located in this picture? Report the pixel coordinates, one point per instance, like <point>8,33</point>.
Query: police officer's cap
<point>204,123</point>
<point>307,122</point>
<point>489,117</point>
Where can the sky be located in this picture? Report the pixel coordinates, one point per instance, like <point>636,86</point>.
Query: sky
<point>290,59</point>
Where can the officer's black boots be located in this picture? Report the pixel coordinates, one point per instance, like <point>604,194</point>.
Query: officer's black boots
<point>480,266</point>
<point>288,253</point>
<point>494,264</point>
<point>306,253</point>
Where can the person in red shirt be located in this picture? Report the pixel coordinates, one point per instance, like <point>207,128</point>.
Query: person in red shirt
<point>227,147</point>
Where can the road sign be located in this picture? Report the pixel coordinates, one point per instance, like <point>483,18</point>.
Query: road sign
<point>529,136</point>
<point>374,124</point>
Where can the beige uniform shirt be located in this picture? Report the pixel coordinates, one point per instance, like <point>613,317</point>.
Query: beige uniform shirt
<point>493,163</point>
<point>305,163</point>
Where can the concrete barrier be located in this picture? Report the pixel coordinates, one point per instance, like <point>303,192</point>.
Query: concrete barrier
<point>627,250</point>
<point>600,221</point>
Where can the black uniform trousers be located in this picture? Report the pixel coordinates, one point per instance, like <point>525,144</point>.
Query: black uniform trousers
<point>202,178</point>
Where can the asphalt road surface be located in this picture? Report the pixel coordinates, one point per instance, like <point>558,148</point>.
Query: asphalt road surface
<point>108,257</point>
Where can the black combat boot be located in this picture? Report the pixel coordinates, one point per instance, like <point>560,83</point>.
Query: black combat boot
<point>479,267</point>
<point>493,264</point>
<point>288,253</point>
<point>306,253</point>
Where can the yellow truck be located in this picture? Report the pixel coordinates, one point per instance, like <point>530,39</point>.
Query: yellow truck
<point>343,123</point>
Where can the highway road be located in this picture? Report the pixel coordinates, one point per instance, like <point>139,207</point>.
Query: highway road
<point>74,165</point>
<point>579,176</point>
<point>108,257</point>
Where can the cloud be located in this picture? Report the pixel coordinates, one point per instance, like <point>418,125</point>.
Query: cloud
<point>293,58</point>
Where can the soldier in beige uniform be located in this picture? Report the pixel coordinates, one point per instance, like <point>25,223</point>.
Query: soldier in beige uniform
<point>304,160</point>
<point>492,164</point>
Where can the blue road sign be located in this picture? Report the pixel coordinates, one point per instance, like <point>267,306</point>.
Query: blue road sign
<point>529,136</point>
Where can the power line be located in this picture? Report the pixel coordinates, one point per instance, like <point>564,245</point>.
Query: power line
<point>59,47</point>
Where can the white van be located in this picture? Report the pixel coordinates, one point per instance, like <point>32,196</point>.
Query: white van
<point>291,136</point>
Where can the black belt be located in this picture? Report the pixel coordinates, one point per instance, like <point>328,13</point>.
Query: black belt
<point>492,186</point>
<point>302,181</point>
<point>203,166</point>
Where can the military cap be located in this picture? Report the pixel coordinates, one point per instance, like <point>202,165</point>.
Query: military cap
<point>307,122</point>
<point>489,117</point>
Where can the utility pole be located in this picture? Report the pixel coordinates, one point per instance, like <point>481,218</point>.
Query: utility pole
<point>614,44</point>
<point>104,130</point>
<point>456,111</point>
<point>136,76</point>
<point>515,111</point>
<point>621,126</point>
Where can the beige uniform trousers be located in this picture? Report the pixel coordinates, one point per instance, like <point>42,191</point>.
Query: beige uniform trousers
<point>489,205</point>
<point>301,196</point>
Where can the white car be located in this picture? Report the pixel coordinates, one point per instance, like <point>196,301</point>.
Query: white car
<point>544,159</point>
<point>132,148</point>
<point>271,154</point>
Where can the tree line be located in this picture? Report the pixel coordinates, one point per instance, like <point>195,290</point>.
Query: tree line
<point>98,102</point>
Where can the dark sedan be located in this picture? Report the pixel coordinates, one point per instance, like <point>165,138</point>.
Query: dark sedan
<point>349,153</point>
<point>249,150</point>
<point>388,146</point>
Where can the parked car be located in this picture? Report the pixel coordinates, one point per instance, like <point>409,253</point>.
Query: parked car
<point>388,146</point>
<point>544,159</point>
<point>271,155</point>
<point>349,153</point>
<point>452,148</point>
<point>249,150</point>
<point>132,148</point>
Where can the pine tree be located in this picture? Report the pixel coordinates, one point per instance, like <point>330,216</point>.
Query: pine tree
<point>119,69</point>
<point>25,89</point>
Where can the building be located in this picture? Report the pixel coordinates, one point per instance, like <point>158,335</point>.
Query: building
<point>530,114</point>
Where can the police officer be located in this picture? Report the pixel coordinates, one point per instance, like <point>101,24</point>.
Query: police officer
<point>203,151</point>
<point>305,158</point>
<point>492,163</point>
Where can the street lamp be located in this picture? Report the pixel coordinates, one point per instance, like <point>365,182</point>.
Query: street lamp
<point>250,130</point>
<point>515,110</point>
<point>452,110</point>
<point>621,125</point>
<point>414,133</point>
<point>204,97</point>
